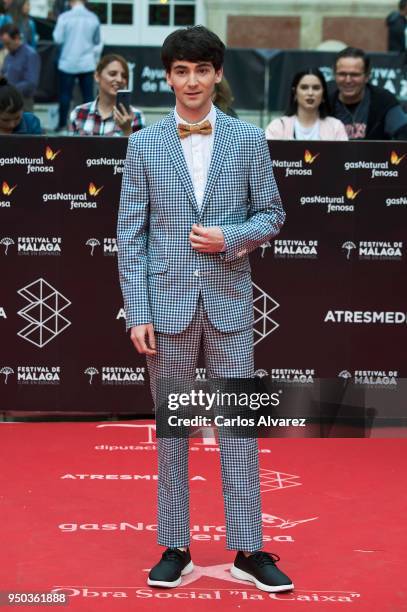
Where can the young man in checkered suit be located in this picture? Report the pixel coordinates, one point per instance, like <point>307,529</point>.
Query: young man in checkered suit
<point>198,195</point>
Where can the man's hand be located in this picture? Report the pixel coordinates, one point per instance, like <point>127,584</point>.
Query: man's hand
<point>143,339</point>
<point>206,239</point>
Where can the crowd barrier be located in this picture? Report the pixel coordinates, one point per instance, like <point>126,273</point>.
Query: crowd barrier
<point>330,293</point>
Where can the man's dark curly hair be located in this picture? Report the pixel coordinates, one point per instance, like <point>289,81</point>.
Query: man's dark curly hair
<point>195,44</point>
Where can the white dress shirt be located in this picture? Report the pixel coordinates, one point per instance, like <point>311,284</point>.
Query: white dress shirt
<point>197,150</point>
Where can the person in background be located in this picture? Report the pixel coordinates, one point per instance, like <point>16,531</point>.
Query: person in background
<point>20,13</point>
<point>4,18</point>
<point>78,33</point>
<point>59,7</point>
<point>21,65</point>
<point>223,98</point>
<point>368,112</point>
<point>396,24</point>
<point>102,117</point>
<point>307,116</point>
<point>4,12</point>
<point>13,119</point>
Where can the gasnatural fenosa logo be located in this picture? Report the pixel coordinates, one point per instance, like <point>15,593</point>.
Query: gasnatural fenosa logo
<point>296,167</point>
<point>380,169</point>
<point>334,203</point>
<point>76,200</point>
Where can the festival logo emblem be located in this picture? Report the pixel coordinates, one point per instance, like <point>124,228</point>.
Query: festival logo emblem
<point>263,247</point>
<point>6,242</point>
<point>263,305</point>
<point>375,249</point>
<point>372,378</point>
<point>43,313</point>
<point>92,242</point>
<point>260,373</point>
<point>91,372</point>
<point>7,371</point>
<point>271,480</point>
<point>348,246</point>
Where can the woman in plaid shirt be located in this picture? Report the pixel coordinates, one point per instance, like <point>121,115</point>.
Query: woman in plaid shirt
<point>101,117</point>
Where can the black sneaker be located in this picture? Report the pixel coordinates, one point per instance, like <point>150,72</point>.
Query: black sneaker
<point>260,568</point>
<point>174,564</point>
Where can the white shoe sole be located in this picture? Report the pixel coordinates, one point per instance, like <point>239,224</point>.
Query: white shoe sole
<point>241,575</point>
<point>170,585</point>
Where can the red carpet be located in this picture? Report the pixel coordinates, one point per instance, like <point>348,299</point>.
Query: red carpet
<point>78,513</point>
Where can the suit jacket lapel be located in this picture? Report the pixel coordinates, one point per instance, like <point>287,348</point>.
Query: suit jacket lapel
<point>221,144</point>
<point>174,148</point>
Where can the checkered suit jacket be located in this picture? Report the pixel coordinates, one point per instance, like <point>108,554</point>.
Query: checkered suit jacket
<point>161,275</point>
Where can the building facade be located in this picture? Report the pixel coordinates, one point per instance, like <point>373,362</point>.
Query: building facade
<point>283,24</point>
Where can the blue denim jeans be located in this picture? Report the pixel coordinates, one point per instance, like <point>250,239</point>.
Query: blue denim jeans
<point>66,85</point>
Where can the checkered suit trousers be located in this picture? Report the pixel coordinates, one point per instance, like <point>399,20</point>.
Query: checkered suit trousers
<point>227,355</point>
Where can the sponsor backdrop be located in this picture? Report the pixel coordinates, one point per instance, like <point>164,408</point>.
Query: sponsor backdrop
<point>330,296</point>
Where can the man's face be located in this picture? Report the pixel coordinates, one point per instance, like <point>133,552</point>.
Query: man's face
<point>351,79</point>
<point>9,121</point>
<point>11,44</point>
<point>193,85</point>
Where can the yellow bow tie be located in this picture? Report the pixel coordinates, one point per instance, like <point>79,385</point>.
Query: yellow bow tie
<point>185,130</point>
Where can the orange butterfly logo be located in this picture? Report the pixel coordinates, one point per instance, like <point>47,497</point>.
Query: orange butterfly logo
<point>93,190</point>
<point>6,189</point>
<point>395,159</point>
<point>351,193</point>
<point>309,158</point>
<point>49,153</point>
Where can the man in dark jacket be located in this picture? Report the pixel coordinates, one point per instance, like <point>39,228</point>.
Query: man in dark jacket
<point>397,28</point>
<point>22,64</point>
<point>368,112</point>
